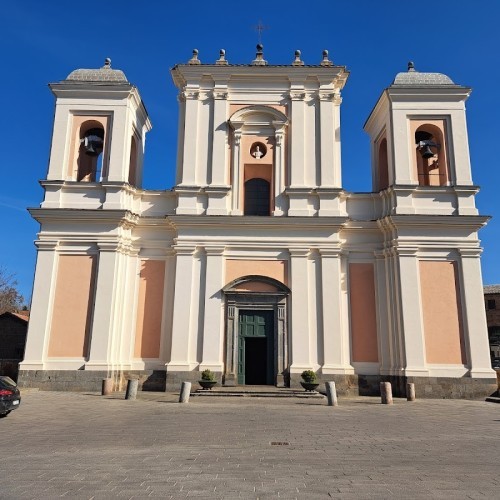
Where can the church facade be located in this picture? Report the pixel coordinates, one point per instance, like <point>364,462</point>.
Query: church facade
<point>257,264</point>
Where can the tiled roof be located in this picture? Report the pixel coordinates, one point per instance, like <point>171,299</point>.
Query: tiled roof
<point>416,78</point>
<point>102,75</point>
<point>491,289</point>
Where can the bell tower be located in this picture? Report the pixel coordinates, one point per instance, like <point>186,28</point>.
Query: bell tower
<point>418,139</point>
<point>98,137</point>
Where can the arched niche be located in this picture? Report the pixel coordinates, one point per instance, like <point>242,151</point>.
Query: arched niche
<point>257,150</point>
<point>256,293</point>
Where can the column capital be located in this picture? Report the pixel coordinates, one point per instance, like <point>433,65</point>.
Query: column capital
<point>299,252</point>
<point>470,253</point>
<point>330,252</point>
<point>326,95</point>
<point>184,249</point>
<point>219,94</point>
<point>191,95</point>
<point>215,251</point>
<point>406,251</point>
<point>297,95</point>
<point>46,245</point>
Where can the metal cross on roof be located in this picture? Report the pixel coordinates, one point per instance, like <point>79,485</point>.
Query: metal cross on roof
<point>259,28</point>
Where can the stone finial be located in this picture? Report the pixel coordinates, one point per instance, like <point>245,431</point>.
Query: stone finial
<point>194,59</point>
<point>411,66</point>
<point>259,56</point>
<point>107,63</point>
<point>222,58</point>
<point>297,61</point>
<point>326,61</point>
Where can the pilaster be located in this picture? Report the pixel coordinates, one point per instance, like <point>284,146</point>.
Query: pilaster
<point>474,316</point>
<point>40,314</point>
<point>182,324</point>
<point>236,181</point>
<point>335,333</point>
<point>190,133</point>
<point>213,332</point>
<point>411,321</point>
<point>103,324</point>
<point>300,349</point>
<point>279,169</point>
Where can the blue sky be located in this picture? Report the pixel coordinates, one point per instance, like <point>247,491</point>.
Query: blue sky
<point>43,42</point>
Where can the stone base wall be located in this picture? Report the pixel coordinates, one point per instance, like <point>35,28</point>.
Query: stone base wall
<point>425,387</point>
<point>347,385</point>
<point>91,381</point>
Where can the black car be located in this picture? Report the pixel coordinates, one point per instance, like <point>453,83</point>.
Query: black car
<point>10,397</point>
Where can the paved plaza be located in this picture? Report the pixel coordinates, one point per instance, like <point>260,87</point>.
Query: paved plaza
<point>85,446</point>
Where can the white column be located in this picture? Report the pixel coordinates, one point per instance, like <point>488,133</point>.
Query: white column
<point>42,300</point>
<point>102,320</point>
<point>190,133</point>
<point>297,140</point>
<point>213,328</point>
<point>299,331</point>
<point>279,171</point>
<point>411,321</point>
<point>334,332</point>
<point>182,322</point>
<point>236,182</point>
<point>327,135</point>
<point>219,149</point>
<point>474,316</point>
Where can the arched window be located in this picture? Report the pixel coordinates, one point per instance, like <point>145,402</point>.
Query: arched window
<point>90,153</point>
<point>257,197</point>
<point>383,167</point>
<point>132,172</point>
<point>430,151</point>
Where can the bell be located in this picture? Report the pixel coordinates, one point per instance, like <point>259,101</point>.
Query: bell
<point>93,142</point>
<point>426,152</point>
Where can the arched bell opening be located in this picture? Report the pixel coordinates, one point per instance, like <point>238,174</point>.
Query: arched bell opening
<point>90,152</point>
<point>132,172</point>
<point>382,165</point>
<point>256,339</point>
<point>430,155</point>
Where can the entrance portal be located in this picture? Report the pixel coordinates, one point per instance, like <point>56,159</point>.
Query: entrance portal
<point>256,347</point>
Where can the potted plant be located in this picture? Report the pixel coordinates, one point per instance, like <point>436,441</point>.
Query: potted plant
<point>207,379</point>
<point>310,380</point>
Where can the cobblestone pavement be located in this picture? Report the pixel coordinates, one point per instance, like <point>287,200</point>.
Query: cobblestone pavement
<point>84,446</point>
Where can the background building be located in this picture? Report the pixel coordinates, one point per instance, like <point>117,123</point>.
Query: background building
<point>492,304</point>
<point>258,264</point>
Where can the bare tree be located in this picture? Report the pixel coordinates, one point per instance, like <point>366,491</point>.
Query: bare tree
<point>10,299</point>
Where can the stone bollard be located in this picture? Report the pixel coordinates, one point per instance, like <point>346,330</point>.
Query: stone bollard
<point>132,389</point>
<point>107,386</point>
<point>331,393</point>
<point>185,392</point>
<point>386,393</point>
<point>410,392</point>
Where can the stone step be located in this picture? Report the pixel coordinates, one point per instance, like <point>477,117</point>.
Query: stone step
<point>257,392</point>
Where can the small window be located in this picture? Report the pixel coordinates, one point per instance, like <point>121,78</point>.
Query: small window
<point>257,197</point>
<point>492,304</point>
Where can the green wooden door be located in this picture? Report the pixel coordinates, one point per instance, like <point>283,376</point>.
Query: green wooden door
<point>256,347</point>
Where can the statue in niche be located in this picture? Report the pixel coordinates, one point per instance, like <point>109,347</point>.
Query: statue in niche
<point>258,151</point>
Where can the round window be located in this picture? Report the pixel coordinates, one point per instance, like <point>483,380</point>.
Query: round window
<point>258,150</point>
